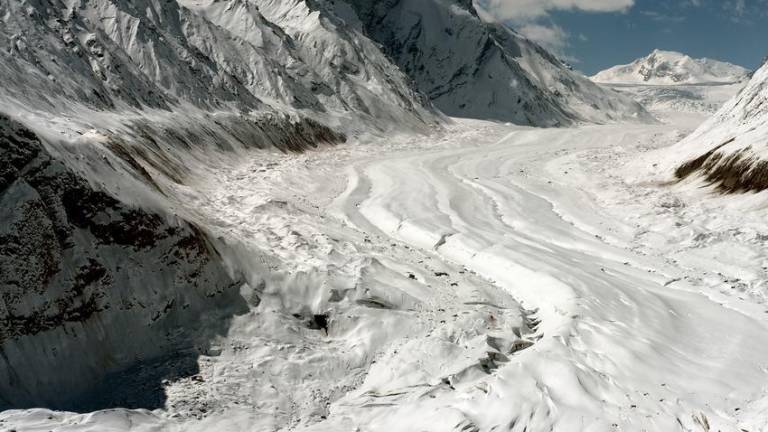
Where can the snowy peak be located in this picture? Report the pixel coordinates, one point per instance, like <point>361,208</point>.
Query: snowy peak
<point>672,68</point>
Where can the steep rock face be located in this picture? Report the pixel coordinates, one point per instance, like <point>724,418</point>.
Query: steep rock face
<point>472,68</point>
<point>731,149</point>
<point>91,285</point>
<point>673,68</point>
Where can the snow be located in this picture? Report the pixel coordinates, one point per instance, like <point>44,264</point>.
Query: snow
<point>663,101</point>
<point>738,131</point>
<point>399,271</point>
<point>633,318</point>
<point>472,68</point>
<point>674,87</point>
<point>672,68</point>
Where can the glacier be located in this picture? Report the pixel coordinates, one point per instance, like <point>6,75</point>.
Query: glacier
<point>331,215</point>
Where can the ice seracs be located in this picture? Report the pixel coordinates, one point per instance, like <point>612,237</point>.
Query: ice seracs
<point>672,68</point>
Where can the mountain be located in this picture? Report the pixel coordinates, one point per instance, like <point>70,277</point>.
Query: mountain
<point>672,68</point>
<point>112,110</point>
<point>209,55</point>
<point>470,66</point>
<point>731,149</point>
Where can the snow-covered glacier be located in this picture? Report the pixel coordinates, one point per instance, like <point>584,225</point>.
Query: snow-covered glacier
<point>336,215</point>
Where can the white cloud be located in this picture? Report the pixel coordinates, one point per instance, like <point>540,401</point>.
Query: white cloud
<point>551,37</point>
<point>531,18</point>
<point>526,10</point>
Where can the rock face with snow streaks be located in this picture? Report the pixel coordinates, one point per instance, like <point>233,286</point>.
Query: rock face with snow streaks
<point>90,284</point>
<point>211,55</point>
<point>473,68</point>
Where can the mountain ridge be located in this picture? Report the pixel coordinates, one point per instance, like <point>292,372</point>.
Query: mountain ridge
<point>484,69</point>
<point>672,68</point>
<point>729,150</point>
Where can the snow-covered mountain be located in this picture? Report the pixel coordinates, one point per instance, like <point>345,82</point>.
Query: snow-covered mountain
<point>211,55</point>
<point>731,149</point>
<point>473,67</point>
<point>672,68</point>
<point>112,110</point>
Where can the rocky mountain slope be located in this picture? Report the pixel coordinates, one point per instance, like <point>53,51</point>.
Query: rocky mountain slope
<point>471,67</point>
<point>210,55</point>
<point>89,284</point>
<point>672,68</point>
<point>730,150</point>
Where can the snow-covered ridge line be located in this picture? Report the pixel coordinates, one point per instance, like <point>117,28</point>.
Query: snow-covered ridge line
<point>93,285</point>
<point>672,68</point>
<point>476,69</point>
<point>211,55</point>
<point>731,149</point>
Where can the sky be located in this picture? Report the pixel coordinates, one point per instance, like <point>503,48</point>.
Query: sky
<point>596,34</point>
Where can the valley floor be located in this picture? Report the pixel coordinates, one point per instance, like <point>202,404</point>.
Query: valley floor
<point>492,278</point>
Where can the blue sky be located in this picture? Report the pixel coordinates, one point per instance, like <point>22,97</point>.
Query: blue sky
<point>597,34</point>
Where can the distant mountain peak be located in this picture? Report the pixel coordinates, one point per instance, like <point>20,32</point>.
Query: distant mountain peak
<point>663,67</point>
